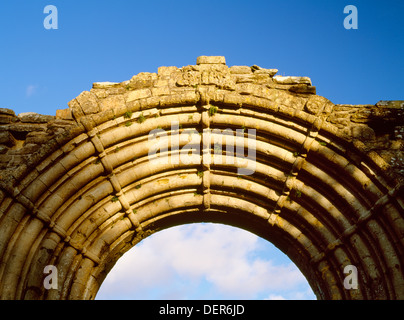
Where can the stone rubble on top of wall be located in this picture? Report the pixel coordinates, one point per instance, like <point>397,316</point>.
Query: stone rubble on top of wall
<point>22,135</point>
<point>378,127</point>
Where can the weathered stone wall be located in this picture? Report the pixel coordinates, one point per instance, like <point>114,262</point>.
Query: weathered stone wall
<point>23,135</point>
<point>378,128</point>
<point>78,190</point>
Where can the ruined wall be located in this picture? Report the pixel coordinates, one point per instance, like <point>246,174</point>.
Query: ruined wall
<point>78,190</point>
<point>375,128</point>
<point>22,135</point>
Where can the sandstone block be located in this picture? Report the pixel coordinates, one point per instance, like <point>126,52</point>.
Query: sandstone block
<point>160,91</point>
<point>138,94</point>
<point>77,112</point>
<point>247,88</point>
<point>345,108</point>
<point>106,85</point>
<point>7,118</point>
<point>362,116</point>
<point>262,78</point>
<point>292,80</point>
<point>244,78</point>
<point>36,137</point>
<point>5,159</point>
<point>88,102</point>
<point>33,117</point>
<point>317,104</point>
<point>28,148</point>
<point>363,132</point>
<point>165,71</point>
<point>161,83</point>
<point>64,114</point>
<point>112,102</point>
<point>7,111</point>
<point>270,72</point>
<point>396,104</point>
<point>302,88</point>
<point>141,81</point>
<point>26,127</point>
<point>113,91</point>
<point>219,79</point>
<point>189,78</point>
<point>59,123</point>
<point>210,60</point>
<point>99,93</point>
<point>7,138</point>
<point>240,70</point>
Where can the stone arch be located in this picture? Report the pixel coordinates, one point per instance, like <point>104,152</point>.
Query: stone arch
<point>89,192</point>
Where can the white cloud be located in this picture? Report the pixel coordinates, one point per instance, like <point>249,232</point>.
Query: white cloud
<point>275,297</point>
<point>207,261</point>
<point>31,90</point>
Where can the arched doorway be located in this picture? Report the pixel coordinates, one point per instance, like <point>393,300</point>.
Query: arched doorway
<point>99,187</point>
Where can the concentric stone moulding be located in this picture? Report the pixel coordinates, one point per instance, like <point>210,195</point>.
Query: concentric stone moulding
<point>78,189</point>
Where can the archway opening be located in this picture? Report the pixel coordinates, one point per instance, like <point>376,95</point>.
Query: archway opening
<point>205,261</point>
<point>94,191</point>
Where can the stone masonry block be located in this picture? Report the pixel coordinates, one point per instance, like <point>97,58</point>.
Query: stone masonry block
<point>210,60</point>
<point>7,138</point>
<point>292,80</point>
<point>138,94</point>
<point>88,102</point>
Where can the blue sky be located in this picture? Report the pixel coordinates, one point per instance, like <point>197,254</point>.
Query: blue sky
<point>41,70</point>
